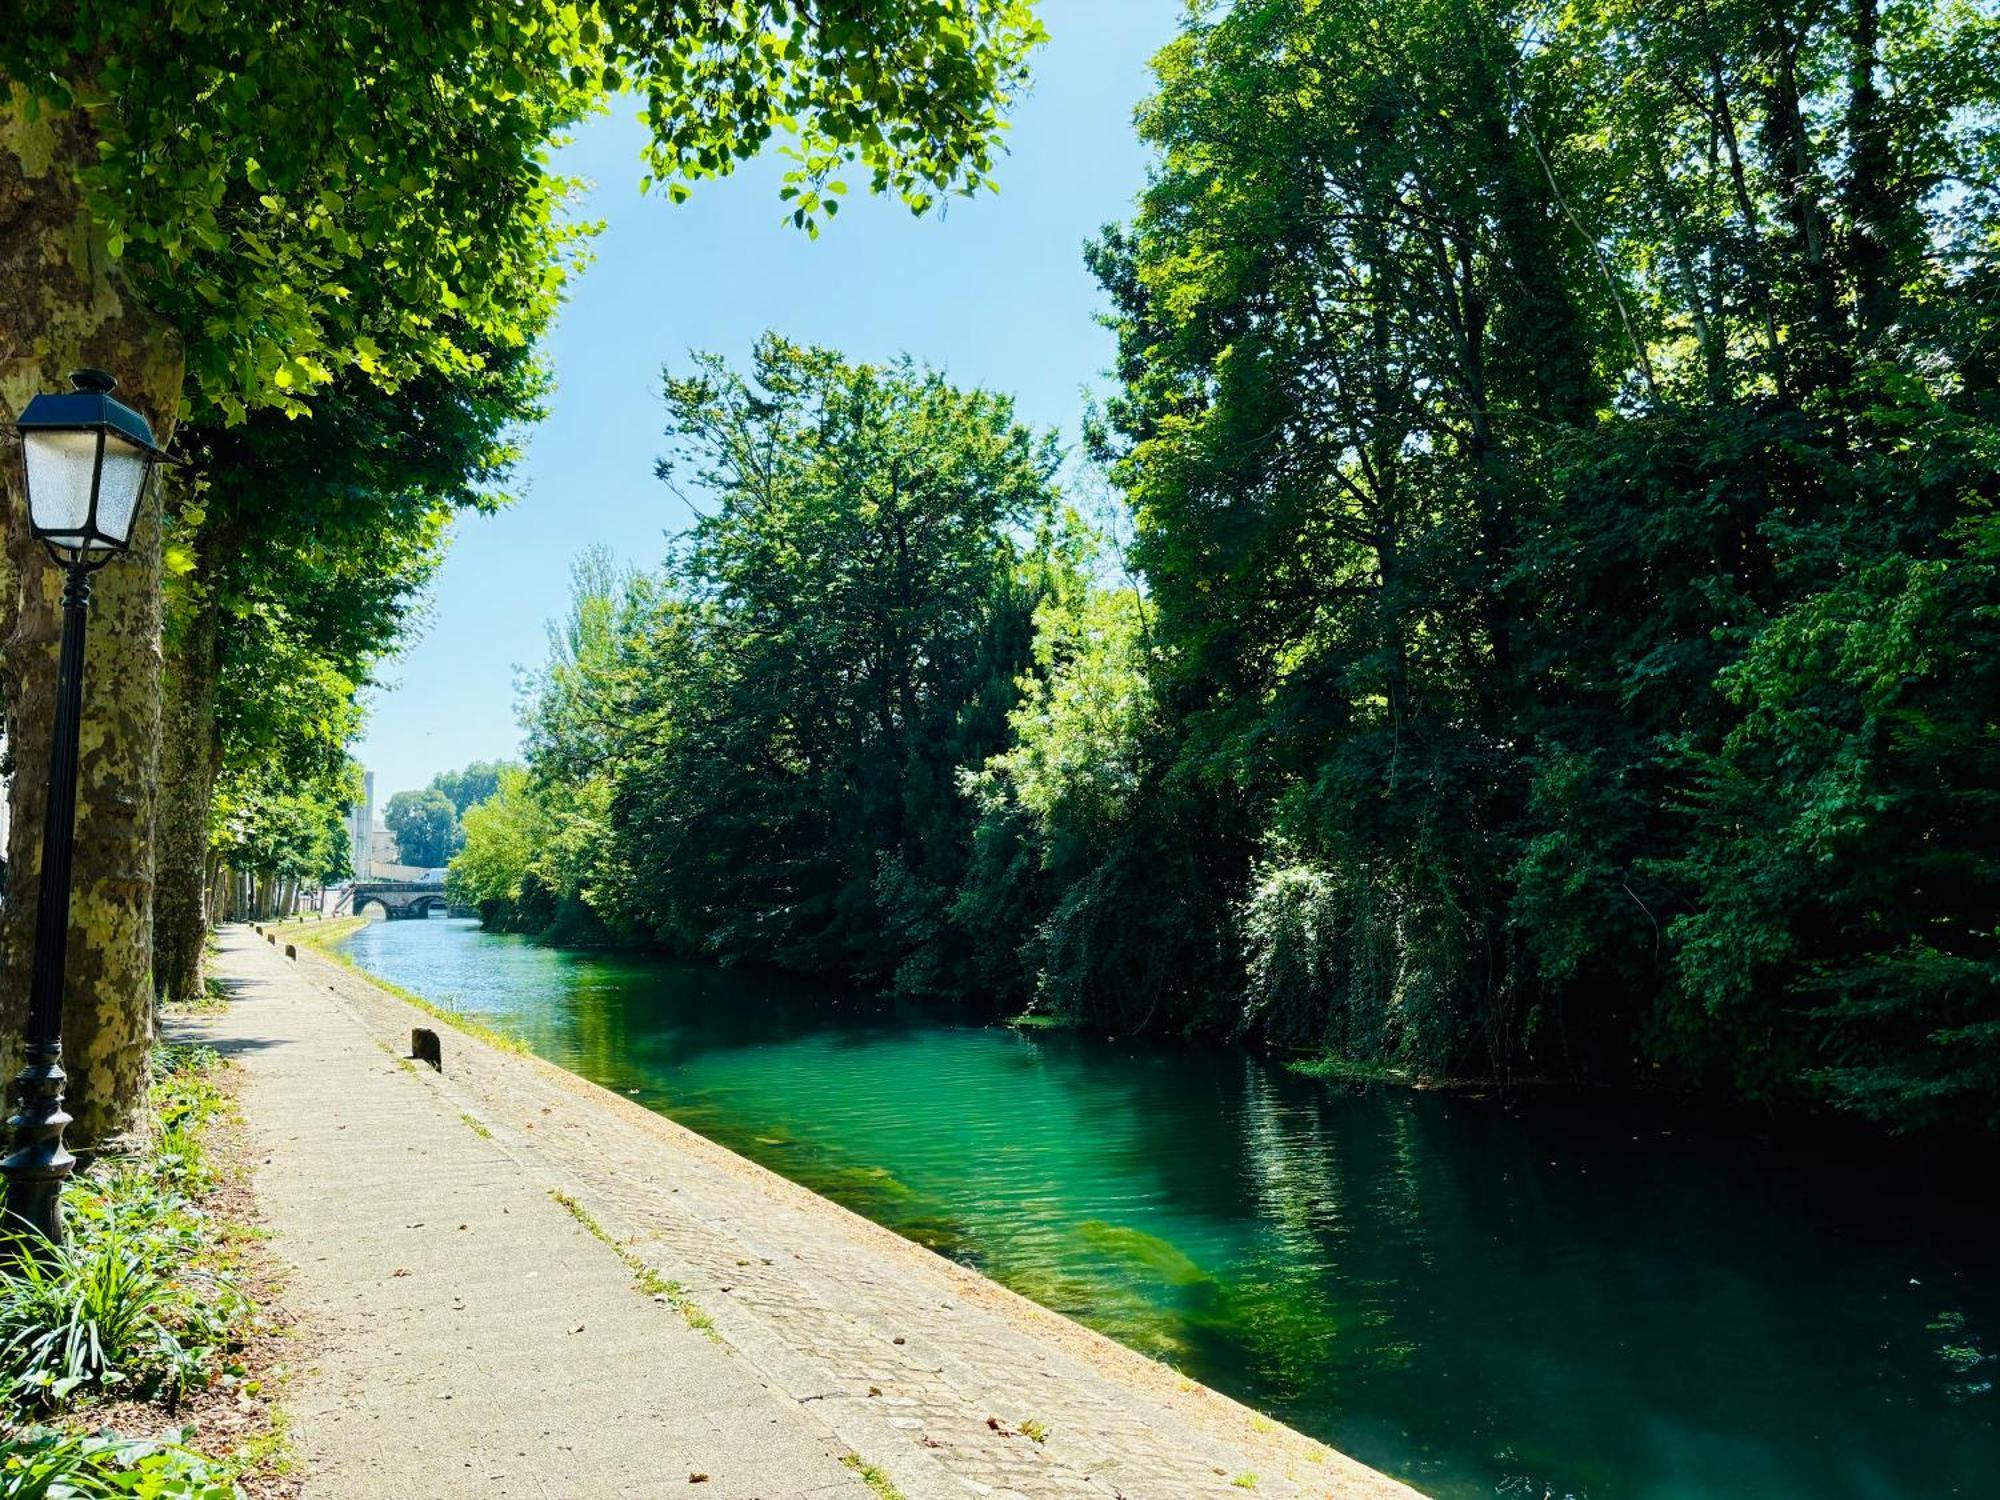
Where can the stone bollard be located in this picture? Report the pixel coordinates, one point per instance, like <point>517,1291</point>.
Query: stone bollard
<point>291,951</point>
<point>271,938</point>
<point>425,1048</point>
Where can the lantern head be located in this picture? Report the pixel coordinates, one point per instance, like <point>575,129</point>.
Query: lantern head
<point>89,459</point>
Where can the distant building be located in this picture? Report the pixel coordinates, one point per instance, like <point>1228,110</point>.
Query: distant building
<point>414,873</point>
<point>361,829</point>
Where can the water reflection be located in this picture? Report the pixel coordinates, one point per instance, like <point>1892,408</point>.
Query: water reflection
<point>1487,1301</point>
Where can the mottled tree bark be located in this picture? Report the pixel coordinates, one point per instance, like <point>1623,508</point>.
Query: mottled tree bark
<point>64,305</point>
<point>188,754</point>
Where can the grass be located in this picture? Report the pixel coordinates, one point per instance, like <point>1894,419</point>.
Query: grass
<point>1036,1021</point>
<point>323,935</point>
<point>1245,1481</point>
<point>1036,1429</point>
<point>331,930</point>
<point>270,1450</point>
<point>871,1476</point>
<point>139,1311</point>
<point>1348,1070</point>
<point>214,1000</point>
<point>476,1127</point>
<point>645,1277</point>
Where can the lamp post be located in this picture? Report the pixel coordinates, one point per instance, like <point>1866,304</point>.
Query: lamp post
<point>89,457</point>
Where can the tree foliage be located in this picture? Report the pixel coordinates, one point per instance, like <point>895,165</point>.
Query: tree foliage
<point>431,824</point>
<point>425,825</point>
<point>777,722</point>
<point>1561,445</point>
<point>473,785</point>
<point>309,190</point>
<point>1561,442</point>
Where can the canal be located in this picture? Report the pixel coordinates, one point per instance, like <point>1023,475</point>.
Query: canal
<point>1534,1300</point>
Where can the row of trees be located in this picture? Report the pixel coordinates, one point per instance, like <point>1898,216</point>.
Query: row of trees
<point>317,244</point>
<point>1560,632</point>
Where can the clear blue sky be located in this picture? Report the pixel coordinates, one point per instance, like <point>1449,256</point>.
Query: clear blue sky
<point>995,293</point>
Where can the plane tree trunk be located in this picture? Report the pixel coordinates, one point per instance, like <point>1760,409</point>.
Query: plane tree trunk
<point>65,306</point>
<point>188,760</point>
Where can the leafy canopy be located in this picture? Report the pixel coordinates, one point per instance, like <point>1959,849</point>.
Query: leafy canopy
<point>307,189</point>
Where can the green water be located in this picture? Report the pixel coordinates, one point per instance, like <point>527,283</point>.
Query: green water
<point>1485,1300</point>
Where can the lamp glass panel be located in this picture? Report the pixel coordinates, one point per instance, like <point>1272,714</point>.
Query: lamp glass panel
<point>119,490</point>
<point>59,467</point>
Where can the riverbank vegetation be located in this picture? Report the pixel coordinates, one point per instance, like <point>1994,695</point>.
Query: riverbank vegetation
<point>1559,634</point>
<point>813,669</point>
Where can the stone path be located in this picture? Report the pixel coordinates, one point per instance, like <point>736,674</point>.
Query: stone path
<point>479,1339</point>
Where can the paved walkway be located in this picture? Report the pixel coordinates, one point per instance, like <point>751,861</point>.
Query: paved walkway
<point>471,1335</point>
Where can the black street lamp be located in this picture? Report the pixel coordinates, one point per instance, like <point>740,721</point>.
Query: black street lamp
<point>89,458</point>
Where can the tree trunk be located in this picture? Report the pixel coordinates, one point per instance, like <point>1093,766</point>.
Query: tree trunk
<point>1821,335</point>
<point>66,305</point>
<point>216,876</point>
<point>181,912</point>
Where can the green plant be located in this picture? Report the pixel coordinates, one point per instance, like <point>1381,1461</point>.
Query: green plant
<point>79,1466</point>
<point>141,1297</point>
<point>645,1277</point>
<point>85,1315</point>
<point>185,1099</point>
<point>871,1476</point>
<point>212,1000</point>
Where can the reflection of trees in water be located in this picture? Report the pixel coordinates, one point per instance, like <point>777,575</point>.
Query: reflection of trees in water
<point>1334,1192</point>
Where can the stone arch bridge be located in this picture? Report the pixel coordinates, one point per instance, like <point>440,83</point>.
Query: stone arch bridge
<point>397,898</point>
